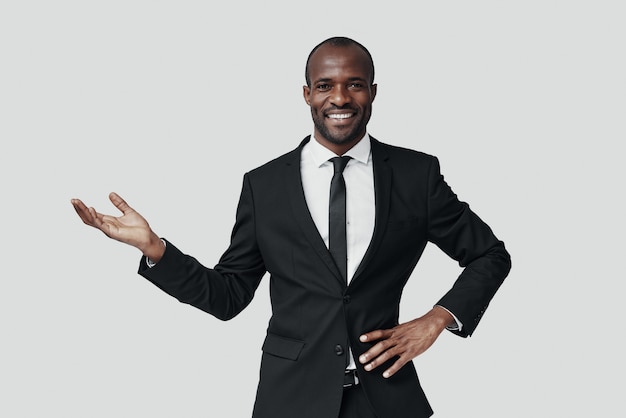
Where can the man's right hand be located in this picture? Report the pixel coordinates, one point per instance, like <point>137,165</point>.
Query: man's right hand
<point>131,228</point>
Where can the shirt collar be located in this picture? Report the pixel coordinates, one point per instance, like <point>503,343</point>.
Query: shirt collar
<point>360,151</point>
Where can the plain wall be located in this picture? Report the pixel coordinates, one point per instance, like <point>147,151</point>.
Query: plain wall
<point>523,103</point>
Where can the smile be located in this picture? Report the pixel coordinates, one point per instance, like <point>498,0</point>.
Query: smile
<point>340,115</point>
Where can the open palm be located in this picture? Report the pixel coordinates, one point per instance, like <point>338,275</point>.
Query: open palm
<point>130,228</point>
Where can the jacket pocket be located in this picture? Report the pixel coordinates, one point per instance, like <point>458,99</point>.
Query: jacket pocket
<point>282,347</point>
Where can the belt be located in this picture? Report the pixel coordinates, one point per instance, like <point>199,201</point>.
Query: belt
<point>350,379</point>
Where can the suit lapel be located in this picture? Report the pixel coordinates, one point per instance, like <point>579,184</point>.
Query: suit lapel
<point>300,210</point>
<point>382,190</point>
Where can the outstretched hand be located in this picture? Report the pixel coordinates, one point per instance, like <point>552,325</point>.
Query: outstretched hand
<point>405,341</point>
<point>131,228</point>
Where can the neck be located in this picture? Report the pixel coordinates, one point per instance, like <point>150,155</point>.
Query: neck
<point>338,149</point>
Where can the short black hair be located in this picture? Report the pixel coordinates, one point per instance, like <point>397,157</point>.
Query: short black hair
<point>340,41</point>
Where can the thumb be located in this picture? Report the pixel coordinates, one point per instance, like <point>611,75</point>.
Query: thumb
<point>120,203</point>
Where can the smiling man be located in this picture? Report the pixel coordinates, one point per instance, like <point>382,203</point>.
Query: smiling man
<point>339,223</point>
<point>340,90</point>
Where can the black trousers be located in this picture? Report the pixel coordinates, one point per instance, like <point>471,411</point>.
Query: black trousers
<point>354,404</point>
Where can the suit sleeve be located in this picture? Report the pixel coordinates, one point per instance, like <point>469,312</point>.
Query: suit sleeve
<point>225,290</point>
<point>463,236</point>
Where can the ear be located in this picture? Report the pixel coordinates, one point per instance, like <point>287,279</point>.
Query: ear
<point>373,90</point>
<point>306,93</point>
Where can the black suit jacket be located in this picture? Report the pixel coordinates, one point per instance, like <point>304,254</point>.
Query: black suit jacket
<point>315,316</point>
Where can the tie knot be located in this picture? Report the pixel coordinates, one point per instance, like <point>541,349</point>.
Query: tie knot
<point>339,163</point>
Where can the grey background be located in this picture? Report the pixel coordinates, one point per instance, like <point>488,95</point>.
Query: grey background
<point>523,102</point>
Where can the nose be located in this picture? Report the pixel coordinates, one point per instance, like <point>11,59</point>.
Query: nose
<point>340,96</point>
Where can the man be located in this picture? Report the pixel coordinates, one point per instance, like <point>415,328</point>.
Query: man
<point>334,346</point>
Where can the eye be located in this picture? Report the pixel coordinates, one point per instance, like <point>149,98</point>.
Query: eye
<point>323,87</point>
<point>355,85</point>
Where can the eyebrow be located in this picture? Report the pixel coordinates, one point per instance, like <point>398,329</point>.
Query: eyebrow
<point>327,80</point>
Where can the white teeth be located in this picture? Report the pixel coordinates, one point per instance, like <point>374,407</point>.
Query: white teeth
<point>340,115</point>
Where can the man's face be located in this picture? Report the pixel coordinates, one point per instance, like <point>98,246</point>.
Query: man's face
<point>341,95</point>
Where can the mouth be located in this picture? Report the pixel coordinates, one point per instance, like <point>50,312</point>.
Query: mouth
<point>341,116</point>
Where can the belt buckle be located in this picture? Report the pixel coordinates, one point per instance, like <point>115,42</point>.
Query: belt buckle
<point>350,379</point>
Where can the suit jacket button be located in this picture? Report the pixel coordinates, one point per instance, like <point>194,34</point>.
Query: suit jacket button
<point>338,350</point>
<point>347,299</point>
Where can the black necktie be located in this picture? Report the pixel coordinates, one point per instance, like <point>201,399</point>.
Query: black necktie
<point>337,217</point>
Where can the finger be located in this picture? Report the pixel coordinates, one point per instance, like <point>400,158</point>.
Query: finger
<point>394,368</point>
<point>377,350</point>
<point>82,211</point>
<point>380,359</point>
<point>96,218</point>
<point>120,203</point>
<point>78,205</point>
<point>374,335</point>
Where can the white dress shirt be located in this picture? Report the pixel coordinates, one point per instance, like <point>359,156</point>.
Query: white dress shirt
<point>317,172</point>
